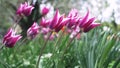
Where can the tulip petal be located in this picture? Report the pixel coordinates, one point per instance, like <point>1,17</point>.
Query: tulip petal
<point>83,21</point>
<point>93,25</point>
<point>55,20</point>
<point>89,22</point>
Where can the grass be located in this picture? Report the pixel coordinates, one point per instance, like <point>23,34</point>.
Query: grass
<point>95,49</point>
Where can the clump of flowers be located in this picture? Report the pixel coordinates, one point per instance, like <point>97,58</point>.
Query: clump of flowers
<point>73,24</point>
<point>10,38</point>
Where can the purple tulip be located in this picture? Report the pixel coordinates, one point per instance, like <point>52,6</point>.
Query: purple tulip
<point>25,9</point>
<point>74,31</point>
<point>87,24</point>
<point>55,19</point>
<point>33,30</point>
<point>45,30</point>
<point>58,22</point>
<point>74,18</point>
<point>44,26</point>
<point>10,38</point>
<point>44,23</point>
<point>61,23</point>
<point>44,10</point>
<point>84,20</point>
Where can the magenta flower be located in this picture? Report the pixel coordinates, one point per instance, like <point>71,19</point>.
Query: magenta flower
<point>10,38</point>
<point>45,30</point>
<point>74,18</point>
<point>44,23</point>
<point>44,26</point>
<point>75,31</point>
<point>44,10</point>
<point>25,9</point>
<point>55,20</point>
<point>58,22</point>
<point>87,24</point>
<point>33,30</point>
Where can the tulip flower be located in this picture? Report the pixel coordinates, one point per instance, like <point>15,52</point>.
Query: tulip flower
<point>87,24</point>
<point>24,9</point>
<point>44,23</point>
<point>58,22</point>
<point>33,30</point>
<point>10,38</point>
<point>55,20</point>
<point>45,31</point>
<point>75,31</point>
<point>74,17</point>
<point>61,23</point>
<point>44,10</point>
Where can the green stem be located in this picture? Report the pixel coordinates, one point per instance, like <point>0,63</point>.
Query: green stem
<point>67,46</point>
<point>42,49</point>
<point>16,22</point>
<point>116,63</point>
<point>19,45</point>
<point>58,40</point>
<point>1,47</point>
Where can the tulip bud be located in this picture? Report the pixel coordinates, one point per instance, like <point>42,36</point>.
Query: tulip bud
<point>44,10</point>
